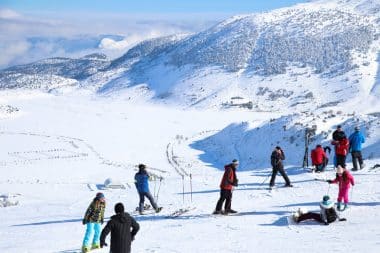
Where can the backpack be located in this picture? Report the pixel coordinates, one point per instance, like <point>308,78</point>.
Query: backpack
<point>331,214</point>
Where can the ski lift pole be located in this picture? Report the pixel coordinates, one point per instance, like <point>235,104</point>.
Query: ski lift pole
<point>183,189</point>
<point>191,188</point>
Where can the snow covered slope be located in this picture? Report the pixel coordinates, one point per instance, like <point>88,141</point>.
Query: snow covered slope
<point>58,152</point>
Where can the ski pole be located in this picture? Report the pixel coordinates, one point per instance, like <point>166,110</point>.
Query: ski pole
<point>154,191</point>
<point>266,178</point>
<point>191,188</point>
<point>159,187</point>
<point>328,190</point>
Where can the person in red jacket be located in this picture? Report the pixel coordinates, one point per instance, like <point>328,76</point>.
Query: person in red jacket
<point>318,158</point>
<point>341,151</point>
<point>229,181</point>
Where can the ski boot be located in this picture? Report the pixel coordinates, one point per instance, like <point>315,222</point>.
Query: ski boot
<point>296,216</point>
<point>85,249</point>
<point>339,206</point>
<point>217,212</point>
<point>158,209</point>
<point>95,246</point>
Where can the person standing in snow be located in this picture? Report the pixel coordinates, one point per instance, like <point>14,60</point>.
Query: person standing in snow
<point>341,151</point>
<point>337,135</point>
<point>93,219</point>
<point>123,230</point>
<point>326,216</point>
<point>276,158</point>
<point>229,181</point>
<point>327,151</point>
<point>142,186</point>
<point>356,139</point>
<point>344,180</point>
<point>318,158</point>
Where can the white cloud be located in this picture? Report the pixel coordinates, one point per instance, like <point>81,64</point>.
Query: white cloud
<point>12,50</point>
<point>9,14</point>
<point>17,29</point>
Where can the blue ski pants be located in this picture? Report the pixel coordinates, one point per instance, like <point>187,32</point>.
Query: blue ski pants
<point>92,235</point>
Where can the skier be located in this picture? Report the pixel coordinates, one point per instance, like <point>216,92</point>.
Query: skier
<point>120,227</point>
<point>318,158</point>
<point>356,139</point>
<point>142,186</point>
<point>93,219</point>
<point>341,150</point>
<point>327,214</point>
<point>337,135</point>
<point>344,179</point>
<point>277,157</point>
<point>229,181</point>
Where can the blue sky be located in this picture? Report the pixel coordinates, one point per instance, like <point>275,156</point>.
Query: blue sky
<point>147,6</point>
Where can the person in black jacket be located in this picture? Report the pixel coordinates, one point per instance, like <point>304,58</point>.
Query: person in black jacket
<point>276,159</point>
<point>121,234</point>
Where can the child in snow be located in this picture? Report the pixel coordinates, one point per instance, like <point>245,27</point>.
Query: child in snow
<point>344,179</point>
<point>142,186</point>
<point>93,219</point>
<point>327,214</point>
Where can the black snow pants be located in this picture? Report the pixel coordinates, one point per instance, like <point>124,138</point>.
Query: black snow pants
<point>274,174</point>
<point>225,195</point>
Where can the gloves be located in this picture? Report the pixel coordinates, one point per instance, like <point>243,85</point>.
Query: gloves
<point>133,238</point>
<point>102,244</point>
<point>102,221</point>
<point>235,183</point>
<point>329,181</point>
<point>84,222</point>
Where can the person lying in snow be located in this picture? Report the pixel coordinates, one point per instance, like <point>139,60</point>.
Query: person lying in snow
<point>327,215</point>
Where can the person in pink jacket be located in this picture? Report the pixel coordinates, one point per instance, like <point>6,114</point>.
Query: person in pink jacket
<point>344,179</point>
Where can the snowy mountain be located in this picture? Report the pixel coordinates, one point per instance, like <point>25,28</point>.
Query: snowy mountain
<point>316,49</point>
<point>52,73</point>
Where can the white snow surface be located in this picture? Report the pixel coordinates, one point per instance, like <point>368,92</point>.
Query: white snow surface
<point>187,105</point>
<point>57,152</point>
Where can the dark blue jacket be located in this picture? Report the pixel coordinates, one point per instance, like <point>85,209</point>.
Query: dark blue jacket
<point>141,182</point>
<point>356,139</point>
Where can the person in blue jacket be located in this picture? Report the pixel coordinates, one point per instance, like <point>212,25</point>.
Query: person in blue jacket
<point>356,139</point>
<point>142,186</point>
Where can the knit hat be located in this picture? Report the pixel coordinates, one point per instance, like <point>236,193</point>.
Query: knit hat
<point>99,196</point>
<point>340,169</point>
<point>326,203</point>
<point>142,166</point>
<point>339,126</point>
<point>357,128</point>
<point>235,162</point>
<point>119,208</point>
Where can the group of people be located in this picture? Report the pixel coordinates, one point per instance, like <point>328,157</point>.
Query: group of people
<point>320,159</point>
<point>343,146</point>
<point>122,226</point>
